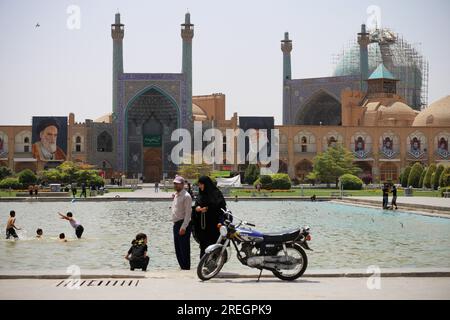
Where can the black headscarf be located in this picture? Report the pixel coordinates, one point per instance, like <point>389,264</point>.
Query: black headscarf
<point>211,195</point>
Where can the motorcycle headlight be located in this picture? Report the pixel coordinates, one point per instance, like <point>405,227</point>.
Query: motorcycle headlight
<point>223,231</point>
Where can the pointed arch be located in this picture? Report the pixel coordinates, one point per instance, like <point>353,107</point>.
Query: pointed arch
<point>321,108</point>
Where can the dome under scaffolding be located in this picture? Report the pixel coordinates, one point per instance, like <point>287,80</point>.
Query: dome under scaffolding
<point>400,57</point>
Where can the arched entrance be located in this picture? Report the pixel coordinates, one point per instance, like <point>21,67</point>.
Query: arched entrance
<point>302,169</point>
<point>321,109</point>
<point>150,120</point>
<point>388,172</point>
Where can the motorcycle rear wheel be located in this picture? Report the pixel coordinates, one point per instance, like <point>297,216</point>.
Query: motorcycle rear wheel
<point>291,277</point>
<point>211,263</point>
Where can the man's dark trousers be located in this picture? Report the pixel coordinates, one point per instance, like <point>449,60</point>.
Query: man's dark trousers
<point>182,245</point>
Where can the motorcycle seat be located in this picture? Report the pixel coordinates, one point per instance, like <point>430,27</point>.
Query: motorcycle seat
<point>289,235</point>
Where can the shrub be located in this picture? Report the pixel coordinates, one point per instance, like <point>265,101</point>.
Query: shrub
<point>281,181</point>
<point>251,174</point>
<point>405,176</point>
<point>10,182</point>
<point>444,179</point>
<point>265,181</point>
<point>414,175</point>
<point>437,175</point>
<point>27,177</point>
<point>89,177</point>
<point>5,172</point>
<point>427,180</point>
<point>351,182</point>
<point>422,177</point>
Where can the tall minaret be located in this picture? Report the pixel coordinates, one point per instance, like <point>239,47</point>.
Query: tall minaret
<point>286,47</point>
<point>363,41</point>
<point>187,33</point>
<point>117,33</point>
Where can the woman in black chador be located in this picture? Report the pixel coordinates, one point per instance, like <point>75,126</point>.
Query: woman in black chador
<point>207,213</point>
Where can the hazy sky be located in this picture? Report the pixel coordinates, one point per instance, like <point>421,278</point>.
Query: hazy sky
<point>54,70</point>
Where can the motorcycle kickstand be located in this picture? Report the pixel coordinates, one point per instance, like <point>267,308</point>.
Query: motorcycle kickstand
<point>260,272</point>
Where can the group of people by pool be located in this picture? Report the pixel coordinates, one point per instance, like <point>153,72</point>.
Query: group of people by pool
<point>11,227</point>
<point>198,217</point>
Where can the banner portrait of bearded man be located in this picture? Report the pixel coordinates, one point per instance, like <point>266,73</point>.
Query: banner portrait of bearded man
<point>46,148</point>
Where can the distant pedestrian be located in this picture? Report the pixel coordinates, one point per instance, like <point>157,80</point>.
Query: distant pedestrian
<point>36,190</point>
<point>156,186</point>
<point>313,198</point>
<point>30,190</point>
<point>74,190</point>
<point>385,191</point>
<point>394,197</point>
<point>83,190</point>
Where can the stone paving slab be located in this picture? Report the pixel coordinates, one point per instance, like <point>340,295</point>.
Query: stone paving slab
<point>305,288</point>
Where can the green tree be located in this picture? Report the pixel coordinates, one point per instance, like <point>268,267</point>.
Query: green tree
<point>427,180</point>
<point>68,171</point>
<point>433,177</point>
<point>333,163</point>
<point>5,172</point>
<point>312,177</point>
<point>194,171</point>
<point>251,173</point>
<point>88,177</point>
<point>27,177</point>
<point>437,176</point>
<point>444,178</point>
<point>405,176</point>
<point>422,177</point>
<point>50,176</point>
<point>414,175</point>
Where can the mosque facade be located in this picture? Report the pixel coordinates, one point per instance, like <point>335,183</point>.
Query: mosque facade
<point>363,111</point>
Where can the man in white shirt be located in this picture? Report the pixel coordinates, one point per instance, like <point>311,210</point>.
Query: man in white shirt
<point>181,217</point>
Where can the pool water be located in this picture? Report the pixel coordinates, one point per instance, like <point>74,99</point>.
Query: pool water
<point>343,236</point>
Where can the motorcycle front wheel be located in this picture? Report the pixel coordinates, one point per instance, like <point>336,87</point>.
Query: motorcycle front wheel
<point>210,264</point>
<point>299,254</point>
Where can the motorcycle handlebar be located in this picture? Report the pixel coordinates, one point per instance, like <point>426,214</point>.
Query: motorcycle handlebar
<point>242,221</point>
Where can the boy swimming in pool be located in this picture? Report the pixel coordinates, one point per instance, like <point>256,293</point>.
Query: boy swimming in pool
<point>62,237</point>
<point>76,225</point>
<point>11,226</point>
<point>39,233</point>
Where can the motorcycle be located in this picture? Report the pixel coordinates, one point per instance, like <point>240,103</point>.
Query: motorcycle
<point>281,253</point>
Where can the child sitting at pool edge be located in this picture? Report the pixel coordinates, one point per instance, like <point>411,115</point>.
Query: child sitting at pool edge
<point>137,255</point>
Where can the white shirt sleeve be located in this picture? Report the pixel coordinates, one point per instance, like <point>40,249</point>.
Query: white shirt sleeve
<point>187,207</point>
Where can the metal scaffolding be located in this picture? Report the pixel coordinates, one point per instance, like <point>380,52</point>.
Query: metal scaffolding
<point>403,59</point>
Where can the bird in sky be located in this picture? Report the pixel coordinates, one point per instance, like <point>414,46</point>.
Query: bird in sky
<point>37,25</point>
